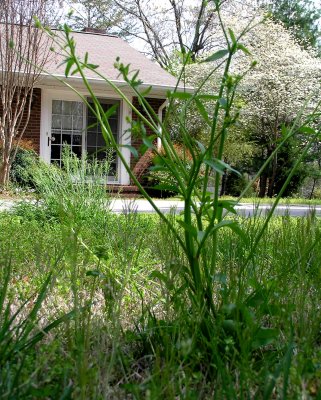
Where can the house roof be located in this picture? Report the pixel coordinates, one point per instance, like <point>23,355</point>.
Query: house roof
<point>103,51</point>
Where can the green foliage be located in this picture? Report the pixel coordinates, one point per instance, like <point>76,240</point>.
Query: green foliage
<point>302,17</point>
<point>78,190</point>
<point>23,162</point>
<point>25,158</point>
<point>98,14</point>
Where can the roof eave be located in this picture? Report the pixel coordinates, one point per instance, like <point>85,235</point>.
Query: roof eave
<point>155,88</point>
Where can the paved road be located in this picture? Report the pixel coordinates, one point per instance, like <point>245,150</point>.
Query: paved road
<point>142,206</point>
<point>247,210</point>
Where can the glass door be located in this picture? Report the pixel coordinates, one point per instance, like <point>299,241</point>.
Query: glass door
<point>66,128</point>
<point>72,125</point>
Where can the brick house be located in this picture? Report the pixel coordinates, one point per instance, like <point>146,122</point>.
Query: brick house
<point>58,115</point>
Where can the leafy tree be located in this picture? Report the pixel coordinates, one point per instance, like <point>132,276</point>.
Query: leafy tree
<point>98,14</point>
<point>302,17</point>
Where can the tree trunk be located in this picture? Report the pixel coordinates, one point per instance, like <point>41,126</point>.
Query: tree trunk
<point>272,178</point>
<point>263,181</point>
<point>312,190</point>
<point>4,173</point>
<point>223,184</point>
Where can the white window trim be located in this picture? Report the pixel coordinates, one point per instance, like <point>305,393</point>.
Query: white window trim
<point>47,95</point>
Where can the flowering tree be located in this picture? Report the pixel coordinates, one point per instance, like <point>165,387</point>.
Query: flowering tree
<point>269,96</point>
<point>276,92</point>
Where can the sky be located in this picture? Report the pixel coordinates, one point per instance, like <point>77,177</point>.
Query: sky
<point>138,43</point>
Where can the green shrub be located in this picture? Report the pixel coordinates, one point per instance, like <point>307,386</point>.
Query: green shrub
<point>23,162</point>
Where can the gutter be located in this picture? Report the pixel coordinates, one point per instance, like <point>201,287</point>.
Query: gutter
<point>118,83</point>
<point>160,117</point>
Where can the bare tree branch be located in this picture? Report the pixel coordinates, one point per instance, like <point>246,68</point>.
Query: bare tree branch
<point>22,48</point>
<point>171,27</point>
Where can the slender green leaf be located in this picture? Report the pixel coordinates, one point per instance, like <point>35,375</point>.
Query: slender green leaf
<point>149,141</point>
<point>92,66</point>
<point>181,95</point>
<point>202,111</point>
<point>228,205</point>
<point>232,35</point>
<point>244,49</point>
<point>207,97</point>
<point>189,228</point>
<point>220,166</point>
<point>201,146</point>
<point>264,336</point>
<point>217,55</point>
<point>69,63</point>
<point>307,129</point>
<point>132,149</point>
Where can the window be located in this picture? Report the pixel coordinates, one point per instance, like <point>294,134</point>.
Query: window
<point>66,128</point>
<point>95,142</point>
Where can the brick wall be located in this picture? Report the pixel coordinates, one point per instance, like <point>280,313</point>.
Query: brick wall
<point>32,132</point>
<point>140,165</point>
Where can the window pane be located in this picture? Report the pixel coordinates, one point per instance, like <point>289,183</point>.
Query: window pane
<point>56,138</point>
<point>66,122</point>
<point>56,106</point>
<point>101,154</point>
<point>66,139</point>
<point>77,108</point>
<point>56,122</point>
<point>77,150</point>
<point>99,149</point>
<point>100,140</point>
<point>91,139</point>
<point>76,140</point>
<point>55,151</point>
<point>91,151</point>
<point>113,125</point>
<point>77,123</point>
<point>67,127</point>
<point>67,107</point>
<point>92,123</point>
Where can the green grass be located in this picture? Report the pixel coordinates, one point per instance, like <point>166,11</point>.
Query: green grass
<point>265,200</point>
<point>283,201</point>
<point>131,334</point>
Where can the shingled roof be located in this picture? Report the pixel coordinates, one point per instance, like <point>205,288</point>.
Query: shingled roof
<point>103,50</point>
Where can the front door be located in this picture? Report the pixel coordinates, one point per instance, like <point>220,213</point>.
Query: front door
<point>73,125</point>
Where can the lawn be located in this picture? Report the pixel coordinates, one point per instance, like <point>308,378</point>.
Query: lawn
<point>96,306</point>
